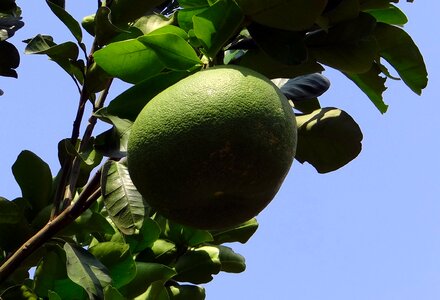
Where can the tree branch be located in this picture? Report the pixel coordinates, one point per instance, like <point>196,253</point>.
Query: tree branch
<point>90,193</point>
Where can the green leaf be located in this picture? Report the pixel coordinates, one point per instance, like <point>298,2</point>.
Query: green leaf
<point>34,177</point>
<point>118,260</point>
<point>130,103</point>
<point>185,292</point>
<point>240,233</point>
<point>14,228</point>
<point>349,46</point>
<point>183,235</point>
<point>193,3</point>
<point>51,268</point>
<point>185,16</point>
<point>345,10</point>
<point>149,23</point>
<point>85,270</point>
<point>110,293</point>
<point>51,295</point>
<point>146,237</point>
<point>146,274</point>
<point>125,205</point>
<point>156,291</point>
<point>286,47</point>
<point>43,45</point>
<point>129,60</point>
<point>10,59</point>
<point>174,52</point>
<point>289,15</point>
<point>373,85</point>
<point>124,11</point>
<point>231,262</point>
<point>67,19</point>
<point>328,139</point>
<point>162,251</point>
<point>104,29</point>
<point>397,48</point>
<point>259,61</point>
<point>390,15</point>
<point>216,25</point>
<point>198,265</point>
<point>113,142</point>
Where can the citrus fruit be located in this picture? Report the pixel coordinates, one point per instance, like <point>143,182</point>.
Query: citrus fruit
<point>212,150</point>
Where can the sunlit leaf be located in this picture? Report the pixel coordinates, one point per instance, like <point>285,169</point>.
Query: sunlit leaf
<point>130,103</point>
<point>390,15</point>
<point>174,52</point>
<point>328,139</point>
<point>186,291</point>
<point>216,25</point>
<point>146,274</point>
<point>398,48</point>
<point>85,270</point>
<point>162,251</point>
<point>118,260</point>
<point>123,202</point>
<point>129,60</point>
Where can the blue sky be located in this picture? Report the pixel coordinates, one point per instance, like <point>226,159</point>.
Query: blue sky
<point>370,230</point>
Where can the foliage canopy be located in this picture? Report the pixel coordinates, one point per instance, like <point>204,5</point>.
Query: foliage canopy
<point>86,230</point>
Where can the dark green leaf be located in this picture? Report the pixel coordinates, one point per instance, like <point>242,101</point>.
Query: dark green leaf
<point>104,29</point>
<point>185,292</point>
<point>174,52</point>
<point>259,61</point>
<point>110,293</point>
<point>130,103</point>
<point>14,228</point>
<point>391,15</point>
<point>397,48</point>
<point>146,237</point>
<point>34,178</point>
<point>373,85</point>
<point>10,59</point>
<point>343,11</point>
<point>198,265</point>
<point>146,274</point>
<point>286,47</point>
<point>124,11</point>
<point>18,292</point>
<point>129,60</point>
<point>289,15</point>
<point>51,271</point>
<point>67,19</point>
<point>9,25</point>
<point>182,235</point>
<point>123,202</point>
<point>44,45</point>
<point>349,46</point>
<point>305,87</point>
<point>231,262</point>
<point>85,270</point>
<point>113,143</point>
<point>328,139</point>
<point>307,106</point>
<point>240,233</point>
<point>118,260</point>
<point>96,79</point>
<point>51,295</point>
<point>193,3</point>
<point>216,25</point>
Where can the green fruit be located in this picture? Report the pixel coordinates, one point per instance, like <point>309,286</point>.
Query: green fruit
<point>212,150</point>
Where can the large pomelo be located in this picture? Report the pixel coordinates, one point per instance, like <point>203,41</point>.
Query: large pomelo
<point>212,150</point>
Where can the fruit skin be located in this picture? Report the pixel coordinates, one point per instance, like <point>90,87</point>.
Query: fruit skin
<point>212,150</point>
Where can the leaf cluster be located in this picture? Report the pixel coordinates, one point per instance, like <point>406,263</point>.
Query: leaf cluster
<point>86,230</point>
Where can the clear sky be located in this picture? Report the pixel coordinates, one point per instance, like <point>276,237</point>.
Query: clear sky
<point>369,231</point>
